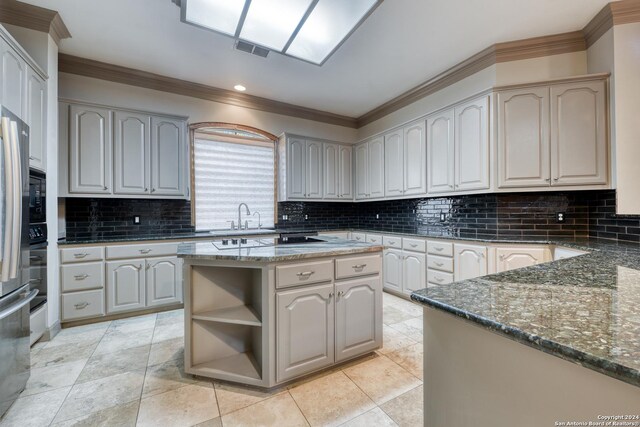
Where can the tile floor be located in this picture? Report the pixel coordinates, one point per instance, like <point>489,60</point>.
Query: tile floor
<point>130,372</point>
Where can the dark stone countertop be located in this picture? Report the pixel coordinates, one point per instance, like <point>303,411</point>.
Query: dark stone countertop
<point>584,309</point>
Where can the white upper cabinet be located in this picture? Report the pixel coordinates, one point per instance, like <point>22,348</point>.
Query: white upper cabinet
<point>296,162</point>
<point>472,145</point>
<point>376,168</point>
<point>394,164</point>
<point>331,171</point>
<point>168,151</point>
<point>36,119</point>
<point>131,148</point>
<point>345,176</point>
<point>415,159</point>
<point>362,171</point>
<point>578,134</point>
<point>440,152</point>
<point>314,170</point>
<point>523,137</point>
<point>13,80</point>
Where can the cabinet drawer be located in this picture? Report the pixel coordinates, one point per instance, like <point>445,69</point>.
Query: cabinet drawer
<point>79,305</point>
<point>79,277</point>
<point>136,251</point>
<point>415,245</point>
<point>359,237</point>
<point>438,277</point>
<point>357,266</point>
<point>94,253</point>
<point>302,274</point>
<point>392,242</point>
<point>440,263</point>
<point>440,248</point>
<point>374,238</point>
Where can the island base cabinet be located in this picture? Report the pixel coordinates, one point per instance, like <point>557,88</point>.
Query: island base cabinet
<point>358,316</point>
<point>125,285</point>
<point>305,330</point>
<point>164,281</point>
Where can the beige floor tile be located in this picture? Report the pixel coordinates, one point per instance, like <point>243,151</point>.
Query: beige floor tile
<point>62,354</point>
<point>381,379</point>
<point>38,346</point>
<point>214,422</point>
<point>108,364</point>
<point>280,410</point>
<point>331,400</point>
<point>164,351</point>
<point>120,416</point>
<point>114,341</point>
<point>408,330</point>
<point>167,332</point>
<point>52,377</point>
<point>393,340</point>
<point>406,410</point>
<point>133,324</point>
<point>232,397</point>
<point>168,376</point>
<point>408,307</point>
<point>374,418</point>
<point>409,358</point>
<point>185,406</point>
<point>37,410</point>
<point>101,394</point>
<point>170,317</point>
<point>80,334</point>
<point>391,315</point>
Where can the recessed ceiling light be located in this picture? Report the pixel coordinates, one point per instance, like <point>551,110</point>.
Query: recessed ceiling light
<point>240,88</point>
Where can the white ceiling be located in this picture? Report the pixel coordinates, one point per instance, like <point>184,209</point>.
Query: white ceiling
<point>402,44</point>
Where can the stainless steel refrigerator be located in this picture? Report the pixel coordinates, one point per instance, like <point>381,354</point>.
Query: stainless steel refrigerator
<point>15,294</point>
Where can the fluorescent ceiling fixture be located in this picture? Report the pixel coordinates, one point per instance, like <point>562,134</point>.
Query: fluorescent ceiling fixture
<point>217,15</point>
<point>240,88</point>
<point>270,23</point>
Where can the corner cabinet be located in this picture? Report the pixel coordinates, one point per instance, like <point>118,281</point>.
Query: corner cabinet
<point>122,153</point>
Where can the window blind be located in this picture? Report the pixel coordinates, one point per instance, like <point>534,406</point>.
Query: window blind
<point>230,173</point>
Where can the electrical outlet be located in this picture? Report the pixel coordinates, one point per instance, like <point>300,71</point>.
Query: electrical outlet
<point>377,216</point>
<point>561,216</point>
<point>443,217</point>
<point>285,217</point>
<point>136,219</point>
<point>306,217</point>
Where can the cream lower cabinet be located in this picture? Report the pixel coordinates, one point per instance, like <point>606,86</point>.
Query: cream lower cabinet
<point>469,261</point>
<point>519,257</point>
<point>125,285</point>
<point>404,271</point>
<point>393,270</point>
<point>163,281</point>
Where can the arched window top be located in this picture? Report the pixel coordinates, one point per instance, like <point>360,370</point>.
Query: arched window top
<point>231,130</point>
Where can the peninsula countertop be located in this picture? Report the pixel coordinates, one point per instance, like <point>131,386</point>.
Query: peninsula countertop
<point>584,309</point>
<point>329,246</point>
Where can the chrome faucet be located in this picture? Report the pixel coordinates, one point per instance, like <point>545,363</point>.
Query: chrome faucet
<point>240,215</point>
<point>259,220</point>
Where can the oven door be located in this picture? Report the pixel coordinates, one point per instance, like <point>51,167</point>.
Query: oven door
<point>38,273</point>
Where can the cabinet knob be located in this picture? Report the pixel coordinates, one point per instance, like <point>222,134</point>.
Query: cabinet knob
<point>547,179</point>
<point>153,190</point>
<point>31,158</point>
<point>146,189</point>
<point>556,179</point>
<point>105,188</point>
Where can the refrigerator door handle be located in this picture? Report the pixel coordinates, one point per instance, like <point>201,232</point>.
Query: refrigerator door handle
<point>17,202</point>
<point>7,199</point>
<point>18,306</point>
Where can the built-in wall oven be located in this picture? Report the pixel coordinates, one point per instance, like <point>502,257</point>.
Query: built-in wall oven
<point>38,237</point>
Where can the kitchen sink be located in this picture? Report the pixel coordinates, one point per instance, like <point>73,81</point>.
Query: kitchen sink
<point>256,243</point>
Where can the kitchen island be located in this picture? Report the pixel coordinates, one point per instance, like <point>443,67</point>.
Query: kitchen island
<point>265,311</point>
<point>579,321</point>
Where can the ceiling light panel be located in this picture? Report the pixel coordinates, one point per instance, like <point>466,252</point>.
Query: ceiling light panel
<point>326,27</point>
<point>217,15</point>
<point>271,23</point>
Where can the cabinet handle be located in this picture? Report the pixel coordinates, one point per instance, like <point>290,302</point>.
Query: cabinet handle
<point>31,158</point>
<point>145,251</point>
<point>80,255</point>
<point>359,266</point>
<point>330,294</point>
<point>413,245</point>
<point>439,264</point>
<point>305,273</point>
<point>148,266</point>
<point>81,306</point>
<point>153,190</point>
<point>556,179</point>
<point>438,249</point>
<point>450,186</point>
<point>439,279</point>
<point>105,188</point>
<point>547,179</point>
<point>80,276</point>
<point>501,257</point>
<point>146,189</point>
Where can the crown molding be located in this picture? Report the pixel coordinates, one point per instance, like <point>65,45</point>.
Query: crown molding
<point>129,76</point>
<point>614,13</point>
<point>35,18</point>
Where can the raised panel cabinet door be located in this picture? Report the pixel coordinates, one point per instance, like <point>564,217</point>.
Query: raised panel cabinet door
<point>305,321</point>
<point>393,164</point>
<point>131,153</point>
<point>579,134</point>
<point>362,171</point>
<point>523,138</point>
<point>331,171</point>
<point>470,261</point>
<point>314,169</point>
<point>296,167</point>
<point>36,119</point>
<point>513,258</point>
<point>415,159</point>
<point>345,180</point>
<point>168,153</point>
<point>163,281</point>
<point>414,272</point>
<point>125,285</point>
<point>376,168</point>
<point>392,270</point>
<point>90,150</point>
<point>14,81</point>
<point>471,138</point>
<point>358,317</point>
<point>440,152</point>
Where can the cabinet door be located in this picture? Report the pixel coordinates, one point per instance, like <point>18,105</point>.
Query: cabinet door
<point>296,162</point>
<point>393,270</point>
<point>469,261</point>
<point>304,331</point>
<point>523,138</point>
<point>415,159</point>
<point>36,119</point>
<point>393,164</point>
<point>358,317</point>
<point>578,134</point>
<point>376,168</point>
<point>414,272</point>
<point>440,152</point>
<point>331,171</point>
<point>13,81</point>
<point>131,153</point>
<point>163,281</point>
<point>125,285</point>
<point>362,171</point>
<point>90,155</point>
<point>314,170</point>
<point>345,180</point>
<point>512,258</point>
<point>168,151</point>
<point>472,145</point>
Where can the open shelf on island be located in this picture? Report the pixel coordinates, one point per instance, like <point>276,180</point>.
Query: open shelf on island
<point>242,365</point>
<point>241,315</point>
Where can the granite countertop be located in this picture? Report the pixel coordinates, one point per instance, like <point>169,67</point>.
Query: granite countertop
<point>584,309</point>
<point>193,235</point>
<point>331,246</point>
